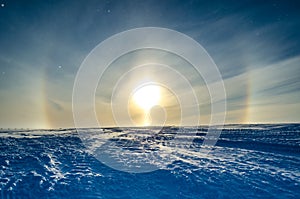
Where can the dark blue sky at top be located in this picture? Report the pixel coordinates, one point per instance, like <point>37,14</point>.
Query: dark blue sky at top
<point>53,37</point>
<point>45,32</point>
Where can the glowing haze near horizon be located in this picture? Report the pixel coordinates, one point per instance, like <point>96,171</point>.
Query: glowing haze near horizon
<point>255,44</point>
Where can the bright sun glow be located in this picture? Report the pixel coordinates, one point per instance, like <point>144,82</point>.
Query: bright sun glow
<point>147,96</point>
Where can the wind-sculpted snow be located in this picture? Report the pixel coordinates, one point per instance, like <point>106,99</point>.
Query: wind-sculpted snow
<point>248,161</point>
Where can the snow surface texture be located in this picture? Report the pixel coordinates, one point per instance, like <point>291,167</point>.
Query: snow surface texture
<point>248,161</point>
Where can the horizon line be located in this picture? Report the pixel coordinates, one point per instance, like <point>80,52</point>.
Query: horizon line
<point>169,126</point>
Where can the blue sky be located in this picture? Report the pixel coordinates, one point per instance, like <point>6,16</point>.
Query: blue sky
<point>255,44</point>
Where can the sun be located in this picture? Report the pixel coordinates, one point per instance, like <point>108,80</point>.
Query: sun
<point>147,96</point>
